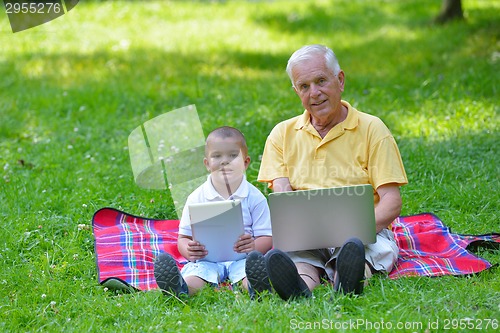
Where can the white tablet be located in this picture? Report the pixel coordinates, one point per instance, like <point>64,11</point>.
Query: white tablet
<point>218,225</point>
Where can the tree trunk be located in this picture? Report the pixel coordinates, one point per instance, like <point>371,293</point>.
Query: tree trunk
<point>450,10</point>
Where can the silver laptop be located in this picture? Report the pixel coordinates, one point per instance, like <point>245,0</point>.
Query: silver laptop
<point>217,225</point>
<point>322,218</point>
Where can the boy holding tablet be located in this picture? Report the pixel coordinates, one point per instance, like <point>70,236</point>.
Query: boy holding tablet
<point>226,158</point>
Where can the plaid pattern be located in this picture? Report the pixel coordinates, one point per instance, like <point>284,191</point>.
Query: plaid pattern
<point>428,248</point>
<point>126,246</point>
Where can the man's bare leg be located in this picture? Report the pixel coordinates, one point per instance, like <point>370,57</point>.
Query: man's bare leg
<point>309,273</point>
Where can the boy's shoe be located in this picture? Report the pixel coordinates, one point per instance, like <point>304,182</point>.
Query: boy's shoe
<point>350,267</point>
<point>256,272</point>
<point>284,276</point>
<point>168,277</point>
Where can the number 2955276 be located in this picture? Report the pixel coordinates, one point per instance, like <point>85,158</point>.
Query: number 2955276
<point>29,7</point>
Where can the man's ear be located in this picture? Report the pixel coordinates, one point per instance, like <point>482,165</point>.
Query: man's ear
<point>341,78</point>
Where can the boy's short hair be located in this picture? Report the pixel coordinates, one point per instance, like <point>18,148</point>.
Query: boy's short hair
<point>228,132</point>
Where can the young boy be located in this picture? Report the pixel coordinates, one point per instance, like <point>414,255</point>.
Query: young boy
<point>226,158</point>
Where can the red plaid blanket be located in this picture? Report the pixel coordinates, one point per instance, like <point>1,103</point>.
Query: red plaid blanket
<point>428,248</point>
<point>126,246</point>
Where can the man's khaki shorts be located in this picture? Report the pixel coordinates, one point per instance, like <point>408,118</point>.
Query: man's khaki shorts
<point>381,255</point>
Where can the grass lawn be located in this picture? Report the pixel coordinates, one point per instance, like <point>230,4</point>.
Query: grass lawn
<point>72,90</point>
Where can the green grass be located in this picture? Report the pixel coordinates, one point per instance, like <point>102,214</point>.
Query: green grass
<point>72,90</point>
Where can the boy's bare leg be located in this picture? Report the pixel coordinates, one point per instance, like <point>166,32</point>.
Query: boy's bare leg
<point>244,283</point>
<point>194,283</point>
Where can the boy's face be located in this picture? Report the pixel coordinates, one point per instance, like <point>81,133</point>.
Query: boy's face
<point>225,159</point>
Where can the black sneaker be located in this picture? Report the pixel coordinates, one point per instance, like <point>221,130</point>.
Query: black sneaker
<point>350,267</point>
<point>168,277</point>
<point>284,276</point>
<point>256,272</point>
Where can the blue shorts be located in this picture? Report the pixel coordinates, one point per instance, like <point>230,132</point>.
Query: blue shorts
<point>216,272</point>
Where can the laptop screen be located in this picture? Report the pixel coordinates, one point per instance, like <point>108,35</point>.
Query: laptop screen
<point>322,218</point>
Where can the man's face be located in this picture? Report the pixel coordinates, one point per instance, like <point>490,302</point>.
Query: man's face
<point>317,87</point>
<point>225,160</point>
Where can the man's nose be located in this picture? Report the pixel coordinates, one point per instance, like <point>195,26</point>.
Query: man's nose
<point>314,90</point>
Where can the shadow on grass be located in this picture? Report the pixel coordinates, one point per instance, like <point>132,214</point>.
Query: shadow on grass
<point>456,178</point>
<point>381,45</point>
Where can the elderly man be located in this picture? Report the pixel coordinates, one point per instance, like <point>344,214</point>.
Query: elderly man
<point>330,144</point>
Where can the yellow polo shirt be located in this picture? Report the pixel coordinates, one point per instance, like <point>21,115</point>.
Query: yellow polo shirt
<point>359,150</point>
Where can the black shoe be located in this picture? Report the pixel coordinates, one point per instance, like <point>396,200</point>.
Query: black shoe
<point>168,277</point>
<point>284,276</point>
<point>350,267</point>
<point>257,278</point>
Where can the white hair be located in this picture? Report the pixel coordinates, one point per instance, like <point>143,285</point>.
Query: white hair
<point>307,52</point>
